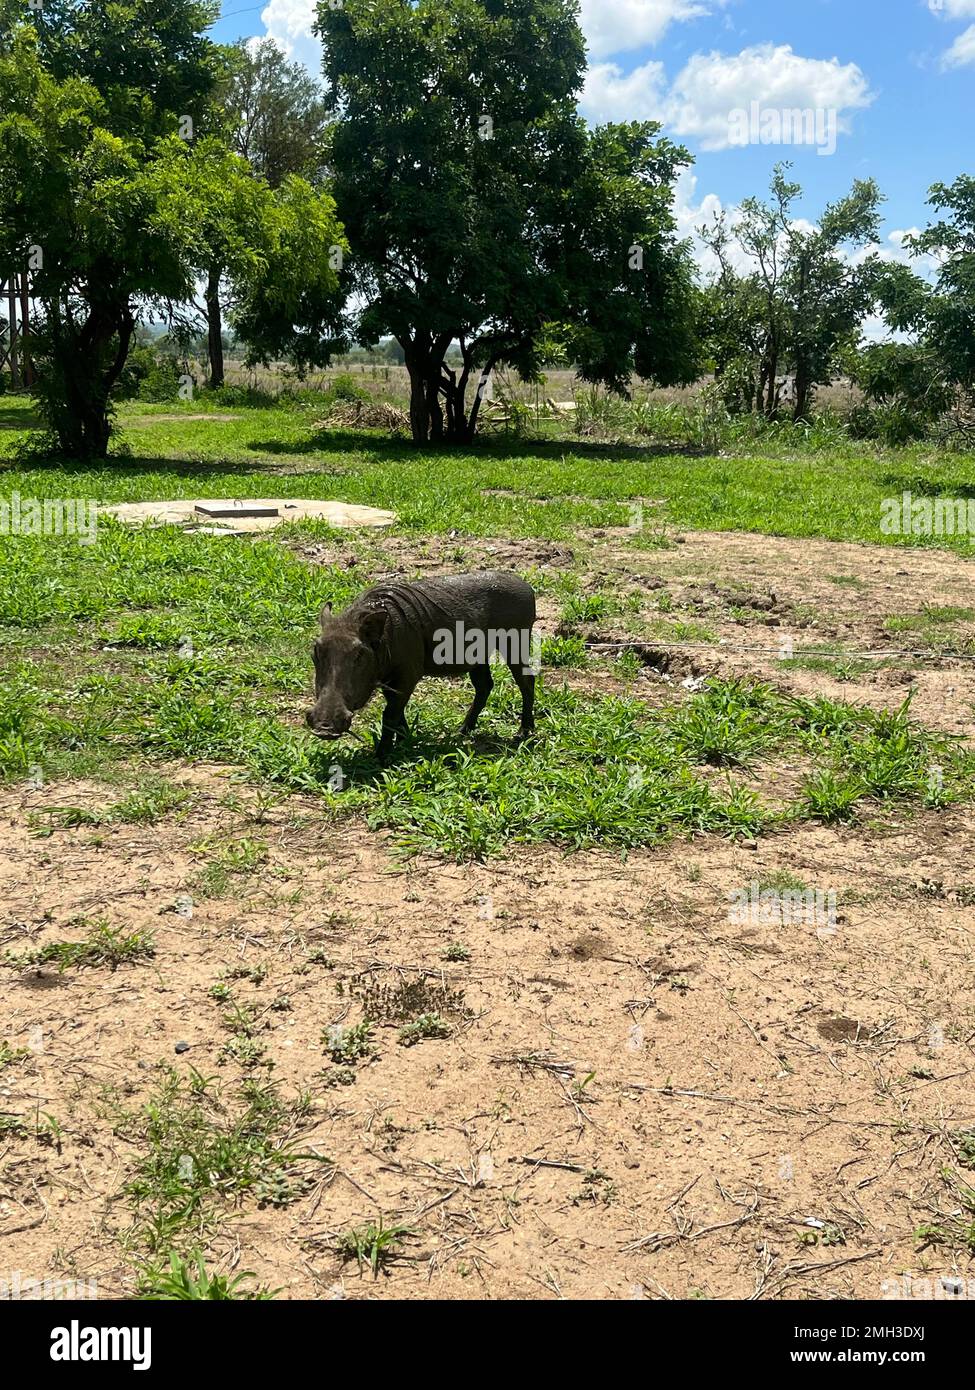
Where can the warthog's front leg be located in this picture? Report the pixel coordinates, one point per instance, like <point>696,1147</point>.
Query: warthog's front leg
<point>394,718</point>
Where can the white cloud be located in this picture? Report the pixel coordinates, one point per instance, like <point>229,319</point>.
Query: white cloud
<point>962,51</point>
<point>288,23</point>
<point>711,86</point>
<point>612,95</point>
<point>619,26</point>
<point>952,9</point>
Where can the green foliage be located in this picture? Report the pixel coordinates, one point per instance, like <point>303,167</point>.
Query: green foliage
<point>951,313</point>
<point>275,113</point>
<point>83,155</point>
<point>200,1151</point>
<point>373,1246</point>
<point>510,229</point>
<point>104,945</point>
<point>148,377</point>
<point>776,332</point>
<point>189,1280</point>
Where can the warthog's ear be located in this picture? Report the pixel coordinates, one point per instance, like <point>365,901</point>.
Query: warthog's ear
<point>325,613</point>
<point>372,625</point>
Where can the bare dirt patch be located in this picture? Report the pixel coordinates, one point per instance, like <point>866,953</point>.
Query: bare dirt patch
<point>637,1096</point>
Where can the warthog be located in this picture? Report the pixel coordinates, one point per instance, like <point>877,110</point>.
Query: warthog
<point>393,635</point>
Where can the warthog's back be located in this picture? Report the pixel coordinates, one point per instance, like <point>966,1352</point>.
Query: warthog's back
<point>464,605</point>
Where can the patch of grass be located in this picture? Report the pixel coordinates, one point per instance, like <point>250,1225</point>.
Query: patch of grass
<point>144,805</point>
<point>730,723</point>
<point>565,651</point>
<point>201,1152</point>
<point>426,1026</point>
<point>830,797</point>
<point>841,668</point>
<point>189,1280</point>
<point>588,608</point>
<point>12,1056</point>
<point>374,1246</point>
<point>349,1045</point>
<point>149,802</point>
<point>781,881</point>
<point>236,857</point>
<point>104,945</point>
<point>456,951</point>
<point>956,1231</point>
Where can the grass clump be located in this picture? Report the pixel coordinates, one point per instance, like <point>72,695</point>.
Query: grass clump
<point>189,1280</point>
<point>374,1246</point>
<point>104,945</point>
<point>201,1153</point>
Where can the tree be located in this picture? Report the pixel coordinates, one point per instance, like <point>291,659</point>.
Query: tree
<point>273,117</point>
<point>951,311</point>
<point>480,210</point>
<point>77,204</point>
<point>275,111</point>
<point>97,108</point>
<point>277,251</point>
<point>803,294</point>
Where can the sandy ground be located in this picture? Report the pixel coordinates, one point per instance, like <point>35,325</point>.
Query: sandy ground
<point>641,1096</point>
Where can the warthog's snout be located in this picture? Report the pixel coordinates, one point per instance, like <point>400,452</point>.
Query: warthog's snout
<point>328,726</point>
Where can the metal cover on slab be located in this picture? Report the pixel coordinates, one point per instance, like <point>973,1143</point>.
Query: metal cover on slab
<point>243,508</point>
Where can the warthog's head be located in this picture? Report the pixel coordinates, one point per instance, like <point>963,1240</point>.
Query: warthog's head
<point>346,669</point>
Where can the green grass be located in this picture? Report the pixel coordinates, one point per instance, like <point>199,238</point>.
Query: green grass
<point>155,646</point>
<point>12,1056</point>
<point>189,1280</point>
<point>104,945</point>
<point>374,1246</point>
<point>200,1152</point>
<point>780,485</point>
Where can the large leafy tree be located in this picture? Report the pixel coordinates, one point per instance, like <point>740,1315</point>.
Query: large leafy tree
<point>275,112</point>
<point>795,289</point>
<point>114,192</point>
<point>933,365</point>
<point>91,100</point>
<point>480,210</point>
<point>951,313</point>
<point>276,253</point>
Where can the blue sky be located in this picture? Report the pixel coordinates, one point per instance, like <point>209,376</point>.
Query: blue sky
<point>894,79</point>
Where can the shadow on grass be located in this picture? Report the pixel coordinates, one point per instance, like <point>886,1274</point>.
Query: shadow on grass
<point>124,465</point>
<point>18,418</point>
<point>358,759</point>
<point>404,451</point>
<point>927,487</point>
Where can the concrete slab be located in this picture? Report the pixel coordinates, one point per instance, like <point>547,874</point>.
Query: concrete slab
<point>199,515</point>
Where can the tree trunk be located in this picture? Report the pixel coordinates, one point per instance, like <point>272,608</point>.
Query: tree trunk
<point>13,357</point>
<point>214,328</point>
<point>419,418</point>
<point>26,364</point>
<point>89,369</point>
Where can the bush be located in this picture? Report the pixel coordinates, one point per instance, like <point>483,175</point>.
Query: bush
<point>344,388</point>
<point>892,423</point>
<point>147,376</point>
